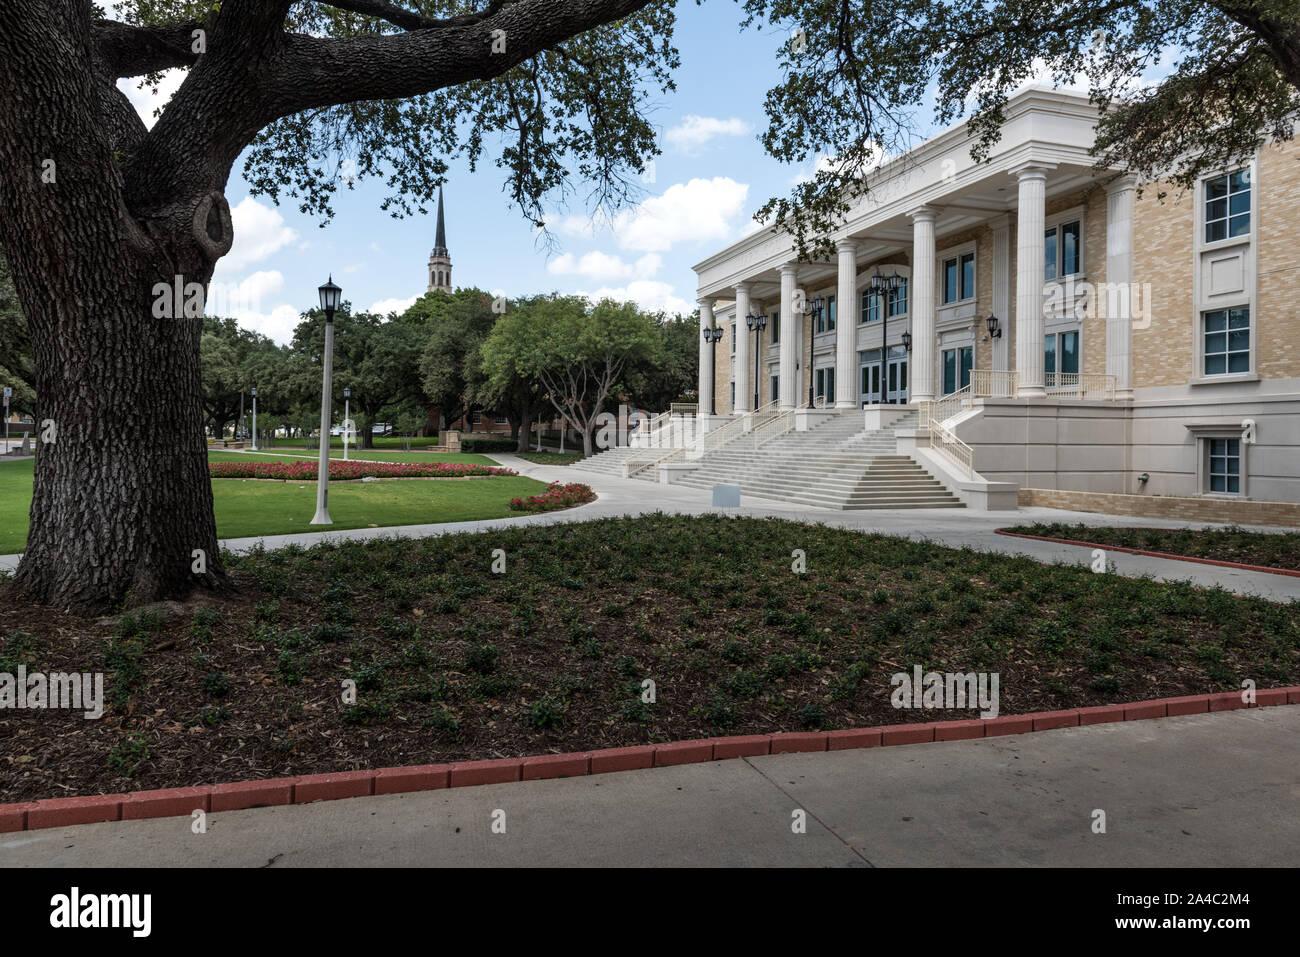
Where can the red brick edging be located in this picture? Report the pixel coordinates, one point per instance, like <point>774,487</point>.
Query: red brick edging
<point>183,802</point>
<point>1150,554</point>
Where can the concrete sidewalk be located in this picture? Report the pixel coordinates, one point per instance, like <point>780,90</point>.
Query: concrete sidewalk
<point>1218,789</point>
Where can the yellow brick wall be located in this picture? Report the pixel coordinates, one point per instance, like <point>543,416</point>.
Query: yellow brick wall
<point>1165,353</point>
<point>1162,265</point>
<point>722,366</point>
<point>1165,506</point>
<point>1277,292</point>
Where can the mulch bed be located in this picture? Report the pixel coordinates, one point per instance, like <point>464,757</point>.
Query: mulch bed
<point>1236,545</point>
<point>453,662</point>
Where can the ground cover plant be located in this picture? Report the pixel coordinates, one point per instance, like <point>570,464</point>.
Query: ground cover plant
<point>454,661</point>
<point>1225,544</point>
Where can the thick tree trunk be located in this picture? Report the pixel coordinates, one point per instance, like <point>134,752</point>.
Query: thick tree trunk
<point>122,505</point>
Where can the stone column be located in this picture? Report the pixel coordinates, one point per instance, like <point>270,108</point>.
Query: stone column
<point>706,354</point>
<point>846,371</point>
<point>1030,269</point>
<point>921,364</point>
<point>789,345</point>
<point>1002,292</point>
<point>744,362</point>
<point>1120,197</point>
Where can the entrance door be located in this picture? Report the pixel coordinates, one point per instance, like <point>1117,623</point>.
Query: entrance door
<point>826,384</point>
<point>869,391</point>
<point>896,376</point>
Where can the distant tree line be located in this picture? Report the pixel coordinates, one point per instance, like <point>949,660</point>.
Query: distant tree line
<point>532,359</point>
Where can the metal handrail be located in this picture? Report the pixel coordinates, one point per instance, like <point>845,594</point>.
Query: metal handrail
<point>634,465</point>
<point>779,424</point>
<point>934,413</point>
<point>716,438</point>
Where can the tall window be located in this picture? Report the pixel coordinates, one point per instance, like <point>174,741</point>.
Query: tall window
<point>733,338</point>
<point>959,278</point>
<point>830,312</point>
<point>957,364</point>
<point>1224,471</point>
<point>1062,248</point>
<point>896,303</point>
<point>1060,355</point>
<point>774,323</point>
<point>870,306</point>
<point>776,388</point>
<point>1227,340</point>
<point>1227,206</point>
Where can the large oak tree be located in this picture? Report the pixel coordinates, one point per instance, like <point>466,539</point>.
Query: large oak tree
<point>96,210</point>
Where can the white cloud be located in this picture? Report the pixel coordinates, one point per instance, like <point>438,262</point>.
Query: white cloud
<point>603,267</point>
<point>694,132</point>
<point>259,232</point>
<point>649,295</point>
<point>247,301</point>
<point>702,210</point>
<point>384,306</point>
<point>147,100</point>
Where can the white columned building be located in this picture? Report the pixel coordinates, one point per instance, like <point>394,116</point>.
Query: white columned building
<point>923,303</point>
<point>1119,277</point>
<point>706,356</point>
<point>789,345</point>
<point>846,366</point>
<point>1030,267</point>
<point>741,368</point>
<point>1133,335</point>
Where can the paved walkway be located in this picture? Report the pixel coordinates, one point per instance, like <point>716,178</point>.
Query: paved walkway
<point>947,526</point>
<point>1204,790</point>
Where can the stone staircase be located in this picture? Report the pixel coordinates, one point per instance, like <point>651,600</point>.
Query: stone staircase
<point>835,465</point>
<point>610,462</point>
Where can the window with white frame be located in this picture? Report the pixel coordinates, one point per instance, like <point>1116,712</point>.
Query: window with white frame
<point>774,323</point>
<point>733,338</point>
<point>1223,466</point>
<point>1226,341</point>
<point>1061,357</point>
<point>1227,206</point>
<point>870,306</point>
<point>1063,250</point>
<point>830,313</point>
<point>896,300</point>
<point>958,276</point>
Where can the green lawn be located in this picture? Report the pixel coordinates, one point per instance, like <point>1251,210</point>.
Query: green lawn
<point>291,455</point>
<point>248,508</point>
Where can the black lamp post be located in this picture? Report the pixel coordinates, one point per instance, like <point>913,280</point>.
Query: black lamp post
<point>815,308</point>
<point>712,336</point>
<point>329,303</point>
<point>756,323</point>
<point>994,327</point>
<point>907,341</point>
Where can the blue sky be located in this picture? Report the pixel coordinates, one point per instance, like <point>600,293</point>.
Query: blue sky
<point>711,177</point>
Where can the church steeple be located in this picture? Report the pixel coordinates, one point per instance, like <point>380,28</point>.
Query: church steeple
<point>439,260</point>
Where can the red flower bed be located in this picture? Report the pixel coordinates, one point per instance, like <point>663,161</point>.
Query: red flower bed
<point>557,495</point>
<point>305,470</point>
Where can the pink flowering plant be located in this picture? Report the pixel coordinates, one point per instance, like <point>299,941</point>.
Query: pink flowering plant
<point>557,495</point>
<point>305,470</point>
